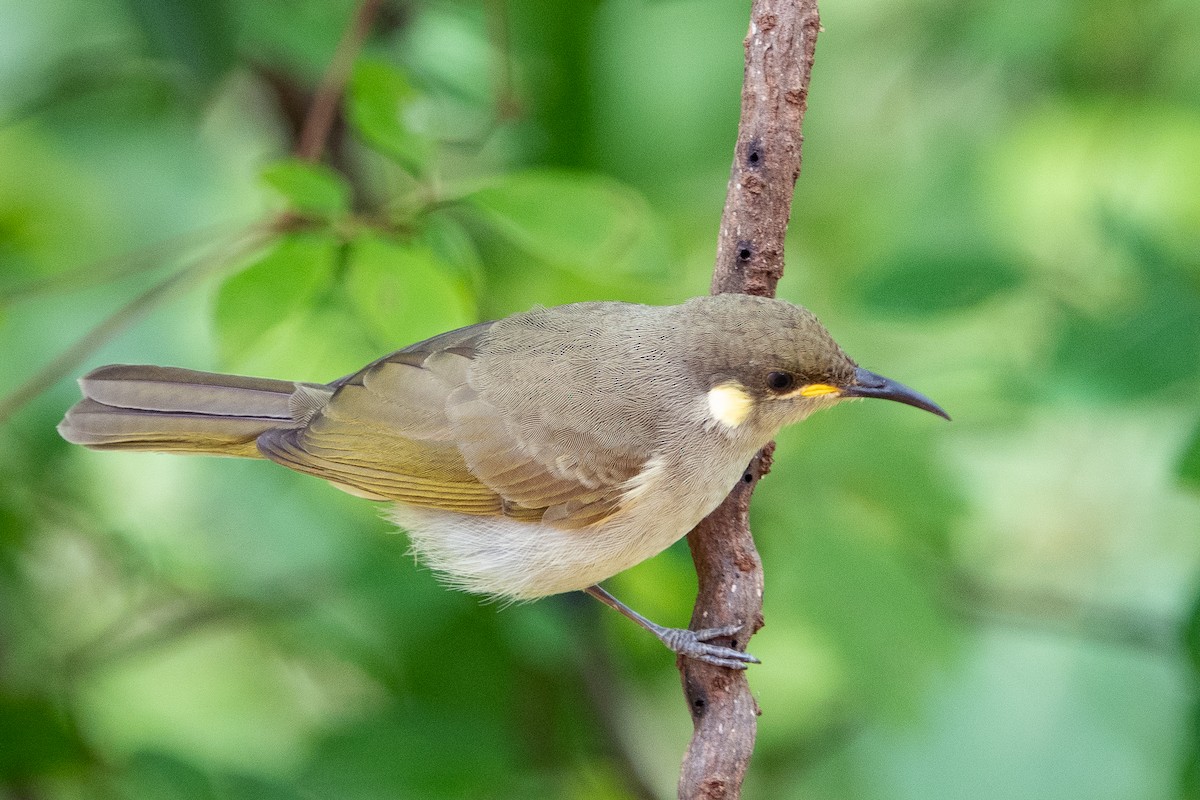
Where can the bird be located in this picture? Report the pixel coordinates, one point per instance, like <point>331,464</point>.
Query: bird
<point>533,455</point>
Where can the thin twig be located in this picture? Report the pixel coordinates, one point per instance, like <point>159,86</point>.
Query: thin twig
<point>508,105</point>
<point>114,323</point>
<point>145,630</point>
<point>113,268</point>
<point>318,124</point>
<point>1055,612</point>
<point>314,134</point>
<point>779,56</point>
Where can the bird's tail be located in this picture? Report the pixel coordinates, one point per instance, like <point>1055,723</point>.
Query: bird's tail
<point>171,410</point>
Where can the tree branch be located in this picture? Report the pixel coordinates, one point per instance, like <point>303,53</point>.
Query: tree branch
<point>766,164</point>
<point>318,124</point>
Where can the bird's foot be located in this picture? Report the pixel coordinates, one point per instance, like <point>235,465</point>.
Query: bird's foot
<point>695,644</point>
<point>689,643</point>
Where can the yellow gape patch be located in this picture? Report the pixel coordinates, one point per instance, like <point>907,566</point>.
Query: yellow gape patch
<point>729,404</point>
<point>818,390</point>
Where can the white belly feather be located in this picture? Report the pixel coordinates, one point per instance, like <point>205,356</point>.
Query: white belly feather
<point>507,558</point>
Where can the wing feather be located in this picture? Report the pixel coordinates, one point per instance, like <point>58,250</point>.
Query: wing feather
<point>411,427</point>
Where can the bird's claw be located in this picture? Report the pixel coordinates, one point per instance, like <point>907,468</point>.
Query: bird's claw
<point>695,644</point>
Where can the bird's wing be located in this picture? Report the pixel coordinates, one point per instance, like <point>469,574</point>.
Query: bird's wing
<point>554,417</point>
<point>409,427</point>
<point>383,433</point>
<point>566,478</point>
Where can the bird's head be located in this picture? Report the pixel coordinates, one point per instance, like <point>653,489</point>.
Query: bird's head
<point>768,363</point>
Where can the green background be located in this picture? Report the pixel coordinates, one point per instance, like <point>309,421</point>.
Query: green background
<point>999,205</point>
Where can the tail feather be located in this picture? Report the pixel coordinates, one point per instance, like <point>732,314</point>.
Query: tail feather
<point>166,409</point>
<point>174,389</point>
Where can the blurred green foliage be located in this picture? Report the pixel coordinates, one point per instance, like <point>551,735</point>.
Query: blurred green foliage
<point>1000,205</point>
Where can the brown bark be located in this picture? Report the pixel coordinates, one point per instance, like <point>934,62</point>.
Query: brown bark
<point>766,164</point>
<point>323,111</point>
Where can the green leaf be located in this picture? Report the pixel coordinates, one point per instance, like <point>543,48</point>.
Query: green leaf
<point>377,97</point>
<point>154,773</point>
<point>200,34</point>
<point>412,750</point>
<point>403,292</point>
<point>293,314</point>
<point>1189,464</point>
<point>1191,636</point>
<point>1147,343</point>
<point>35,738</point>
<point>312,189</point>
<point>284,282</point>
<point>321,342</point>
<point>935,281</point>
<point>1149,346</point>
<point>452,246</point>
<point>574,220</point>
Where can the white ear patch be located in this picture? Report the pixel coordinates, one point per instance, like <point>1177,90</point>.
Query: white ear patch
<point>729,404</point>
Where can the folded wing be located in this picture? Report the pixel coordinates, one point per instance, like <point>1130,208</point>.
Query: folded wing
<point>411,428</point>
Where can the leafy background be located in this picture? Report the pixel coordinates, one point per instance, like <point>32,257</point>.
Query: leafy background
<point>1000,205</point>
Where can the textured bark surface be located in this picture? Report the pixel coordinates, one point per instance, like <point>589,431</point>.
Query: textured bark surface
<point>766,164</point>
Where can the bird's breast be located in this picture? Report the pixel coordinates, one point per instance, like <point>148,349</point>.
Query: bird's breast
<point>524,559</point>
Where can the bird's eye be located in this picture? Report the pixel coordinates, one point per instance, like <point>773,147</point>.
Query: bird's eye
<point>780,381</point>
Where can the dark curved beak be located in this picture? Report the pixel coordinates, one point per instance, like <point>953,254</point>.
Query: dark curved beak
<point>868,384</point>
